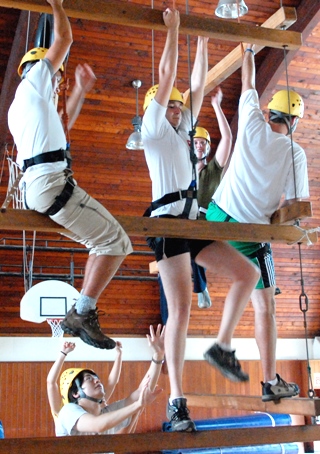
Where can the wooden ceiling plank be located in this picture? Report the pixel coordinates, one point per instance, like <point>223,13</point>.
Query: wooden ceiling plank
<point>17,220</point>
<point>296,406</point>
<point>129,14</point>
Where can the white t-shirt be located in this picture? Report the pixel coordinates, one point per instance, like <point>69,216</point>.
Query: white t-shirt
<point>168,157</point>
<point>70,413</point>
<point>34,121</point>
<point>261,169</point>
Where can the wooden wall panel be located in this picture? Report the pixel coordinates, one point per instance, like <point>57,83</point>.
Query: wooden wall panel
<point>25,410</point>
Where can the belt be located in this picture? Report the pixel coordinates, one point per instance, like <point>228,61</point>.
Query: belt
<point>50,156</point>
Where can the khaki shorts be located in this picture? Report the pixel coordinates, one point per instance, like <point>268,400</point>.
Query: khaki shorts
<point>90,223</point>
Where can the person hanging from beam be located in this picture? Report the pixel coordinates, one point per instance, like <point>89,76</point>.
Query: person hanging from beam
<point>48,184</point>
<point>266,164</point>
<point>81,408</point>
<point>172,167</point>
<point>210,173</point>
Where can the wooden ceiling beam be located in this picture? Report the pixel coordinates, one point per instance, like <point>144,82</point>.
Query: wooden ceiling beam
<point>29,220</point>
<point>129,14</point>
<point>284,17</point>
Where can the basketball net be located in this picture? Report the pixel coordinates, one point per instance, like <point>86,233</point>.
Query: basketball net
<point>55,324</point>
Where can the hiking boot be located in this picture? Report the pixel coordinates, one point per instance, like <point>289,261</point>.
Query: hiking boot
<point>226,362</point>
<point>178,414</point>
<point>204,300</point>
<point>87,327</point>
<point>279,390</point>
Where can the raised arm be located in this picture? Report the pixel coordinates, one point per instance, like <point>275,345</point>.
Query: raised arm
<point>62,35</point>
<point>199,73</point>
<point>169,58</point>
<point>114,375</point>
<point>100,423</point>
<point>84,81</point>
<point>224,147</point>
<point>248,75</point>
<point>53,391</point>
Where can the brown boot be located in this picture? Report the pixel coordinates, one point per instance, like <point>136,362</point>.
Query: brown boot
<point>87,327</point>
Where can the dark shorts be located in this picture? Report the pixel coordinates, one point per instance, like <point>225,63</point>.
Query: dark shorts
<point>171,247</point>
<point>259,253</point>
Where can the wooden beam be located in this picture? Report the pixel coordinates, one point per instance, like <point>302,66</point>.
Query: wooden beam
<point>291,213</point>
<point>139,226</point>
<point>283,18</point>
<point>293,406</point>
<point>159,441</point>
<point>129,14</point>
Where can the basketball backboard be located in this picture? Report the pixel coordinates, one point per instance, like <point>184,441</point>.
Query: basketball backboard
<point>47,300</point>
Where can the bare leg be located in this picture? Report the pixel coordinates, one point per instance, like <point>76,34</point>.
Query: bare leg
<point>175,273</point>
<point>99,272</point>
<point>266,329</point>
<point>221,258</point>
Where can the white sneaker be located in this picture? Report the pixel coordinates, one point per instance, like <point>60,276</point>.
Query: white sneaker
<point>204,301</point>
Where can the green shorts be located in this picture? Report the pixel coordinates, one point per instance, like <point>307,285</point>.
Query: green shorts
<point>259,253</point>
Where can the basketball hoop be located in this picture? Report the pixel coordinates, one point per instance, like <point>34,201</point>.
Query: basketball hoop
<point>55,324</point>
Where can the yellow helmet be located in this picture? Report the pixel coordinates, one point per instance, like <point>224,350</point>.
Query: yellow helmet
<point>38,53</point>
<point>174,96</point>
<point>279,103</point>
<point>202,133</point>
<point>66,380</point>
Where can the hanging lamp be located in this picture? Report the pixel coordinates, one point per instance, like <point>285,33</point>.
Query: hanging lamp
<point>135,139</point>
<point>231,9</point>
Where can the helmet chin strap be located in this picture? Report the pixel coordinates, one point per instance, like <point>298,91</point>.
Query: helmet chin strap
<point>82,394</point>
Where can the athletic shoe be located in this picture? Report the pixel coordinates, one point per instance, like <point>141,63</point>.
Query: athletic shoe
<point>226,362</point>
<point>204,300</point>
<point>178,414</point>
<point>87,327</point>
<point>279,390</point>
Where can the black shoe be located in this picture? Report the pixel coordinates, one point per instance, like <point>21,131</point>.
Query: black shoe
<point>87,327</point>
<point>226,362</point>
<point>281,389</point>
<point>178,414</point>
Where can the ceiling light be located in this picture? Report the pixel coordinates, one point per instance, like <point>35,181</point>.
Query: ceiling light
<point>231,9</point>
<point>135,140</point>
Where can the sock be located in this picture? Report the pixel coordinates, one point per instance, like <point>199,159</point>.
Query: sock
<point>171,399</point>
<point>225,347</point>
<point>273,382</point>
<point>85,304</point>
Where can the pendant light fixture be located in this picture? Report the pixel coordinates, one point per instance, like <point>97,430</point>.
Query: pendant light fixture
<point>135,140</point>
<point>231,9</point>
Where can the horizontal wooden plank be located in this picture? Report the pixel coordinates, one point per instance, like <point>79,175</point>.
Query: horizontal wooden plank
<point>142,226</point>
<point>294,406</point>
<point>129,14</point>
<point>291,213</point>
<point>160,441</point>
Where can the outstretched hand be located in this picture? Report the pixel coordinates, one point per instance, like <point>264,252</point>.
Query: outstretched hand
<point>217,96</point>
<point>171,18</point>
<point>156,339</point>
<point>146,396</point>
<point>68,347</point>
<point>85,77</point>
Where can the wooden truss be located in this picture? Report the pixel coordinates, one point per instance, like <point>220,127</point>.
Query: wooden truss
<point>129,14</point>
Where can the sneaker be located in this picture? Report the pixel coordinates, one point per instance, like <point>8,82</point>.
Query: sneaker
<point>178,414</point>
<point>281,389</point>
<point>87,327</point>
<point>226,362</point>
<point>204,300</point>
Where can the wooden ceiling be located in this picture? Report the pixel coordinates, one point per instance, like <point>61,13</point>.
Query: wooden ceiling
<point>119,53</point>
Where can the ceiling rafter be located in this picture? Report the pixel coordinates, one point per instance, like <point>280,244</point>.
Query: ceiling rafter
<point>129,14</point>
